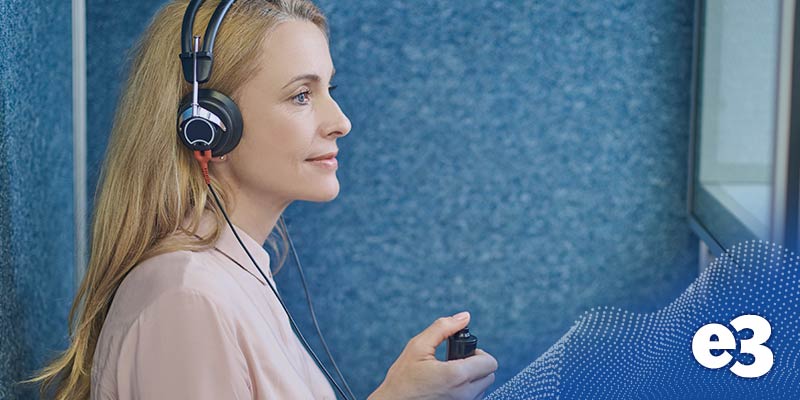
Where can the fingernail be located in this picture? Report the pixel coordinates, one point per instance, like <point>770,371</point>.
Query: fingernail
<point>461,316</point>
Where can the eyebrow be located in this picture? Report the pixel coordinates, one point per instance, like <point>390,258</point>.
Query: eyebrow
<point>310,77</point>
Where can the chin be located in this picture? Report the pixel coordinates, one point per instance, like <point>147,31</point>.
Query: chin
<point>324,192</point>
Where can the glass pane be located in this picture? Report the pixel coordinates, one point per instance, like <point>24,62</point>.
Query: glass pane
<point>738,104</point>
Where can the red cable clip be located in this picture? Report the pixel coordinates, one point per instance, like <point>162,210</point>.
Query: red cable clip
<point>203,157</point>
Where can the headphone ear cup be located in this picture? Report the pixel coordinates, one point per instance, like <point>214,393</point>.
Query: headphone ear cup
<point>224,108</point>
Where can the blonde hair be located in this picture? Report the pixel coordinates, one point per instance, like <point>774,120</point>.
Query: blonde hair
<point>150,184</point>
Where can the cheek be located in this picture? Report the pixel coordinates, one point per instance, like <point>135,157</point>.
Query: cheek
<point>292,136</point>
<point>282,146</point>
<point>280,138</point>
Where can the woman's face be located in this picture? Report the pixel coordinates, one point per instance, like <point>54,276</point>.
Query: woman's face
<point>289,117</point>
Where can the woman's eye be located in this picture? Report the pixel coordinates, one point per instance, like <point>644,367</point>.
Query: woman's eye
<point>302,98</point>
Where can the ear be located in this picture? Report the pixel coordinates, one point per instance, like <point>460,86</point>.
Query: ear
<point>220,159</point>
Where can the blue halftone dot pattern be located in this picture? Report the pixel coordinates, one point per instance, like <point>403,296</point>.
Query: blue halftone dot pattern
<point>610,353</point>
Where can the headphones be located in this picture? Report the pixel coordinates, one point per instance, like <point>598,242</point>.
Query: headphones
<point>210,124</point>
<point>207,119</point>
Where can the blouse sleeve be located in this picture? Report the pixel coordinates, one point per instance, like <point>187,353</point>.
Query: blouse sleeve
<point>182,347</point>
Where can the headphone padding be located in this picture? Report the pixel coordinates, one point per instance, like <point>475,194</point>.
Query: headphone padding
<point>228,112</point>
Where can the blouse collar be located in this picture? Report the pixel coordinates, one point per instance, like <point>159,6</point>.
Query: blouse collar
<point>229,246</point>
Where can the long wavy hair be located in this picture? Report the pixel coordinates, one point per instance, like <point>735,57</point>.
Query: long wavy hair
<point>150,184</point>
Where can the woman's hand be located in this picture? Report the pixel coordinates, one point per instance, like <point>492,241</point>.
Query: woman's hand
<point>417,374</point>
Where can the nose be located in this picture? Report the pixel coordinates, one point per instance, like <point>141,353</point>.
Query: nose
<point>335,122</point>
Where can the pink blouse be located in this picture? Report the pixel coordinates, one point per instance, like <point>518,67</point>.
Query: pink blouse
<point>202,325</point>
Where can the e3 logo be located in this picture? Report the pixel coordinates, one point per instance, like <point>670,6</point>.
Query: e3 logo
<point>702,345</point>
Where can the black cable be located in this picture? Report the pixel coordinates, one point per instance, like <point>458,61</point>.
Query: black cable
<point>291,320</point>
<point>311,310</point>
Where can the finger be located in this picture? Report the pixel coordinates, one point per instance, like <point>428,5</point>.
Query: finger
<point>480,395</point>
<point>426,341</point>
<point>475,367</point>
<point>480,351</point>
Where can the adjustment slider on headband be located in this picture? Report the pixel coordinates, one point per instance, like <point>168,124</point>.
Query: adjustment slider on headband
<point>195,104</point>
<point>197,123</point>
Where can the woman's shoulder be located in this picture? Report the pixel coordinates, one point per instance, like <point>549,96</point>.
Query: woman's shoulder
<point>198,272</point>
<point>160,301</point>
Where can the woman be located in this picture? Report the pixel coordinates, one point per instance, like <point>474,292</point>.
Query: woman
<point>171,307</point>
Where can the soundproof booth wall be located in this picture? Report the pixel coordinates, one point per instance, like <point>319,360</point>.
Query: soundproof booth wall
<point>36,195</point>
<point>523,160</point>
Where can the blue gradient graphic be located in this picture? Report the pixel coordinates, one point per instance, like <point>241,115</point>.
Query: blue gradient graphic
<point>610,353</point>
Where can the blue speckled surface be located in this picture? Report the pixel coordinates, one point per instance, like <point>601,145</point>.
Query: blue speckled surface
<point>523,160</point>
<point>36,198</point>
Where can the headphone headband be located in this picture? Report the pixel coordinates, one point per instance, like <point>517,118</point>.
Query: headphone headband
<point>207,119</point>
<point>205,58</point>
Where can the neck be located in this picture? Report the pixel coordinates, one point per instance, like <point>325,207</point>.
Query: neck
<point>256,215</point>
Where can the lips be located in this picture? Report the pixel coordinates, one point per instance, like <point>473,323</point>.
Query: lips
<point>323,157</point>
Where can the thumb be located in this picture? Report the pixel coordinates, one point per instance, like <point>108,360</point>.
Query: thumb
<point>426,341</point>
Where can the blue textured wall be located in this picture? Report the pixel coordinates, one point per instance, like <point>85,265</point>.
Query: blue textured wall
<point>36,198</point>
<point>523,160</point>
